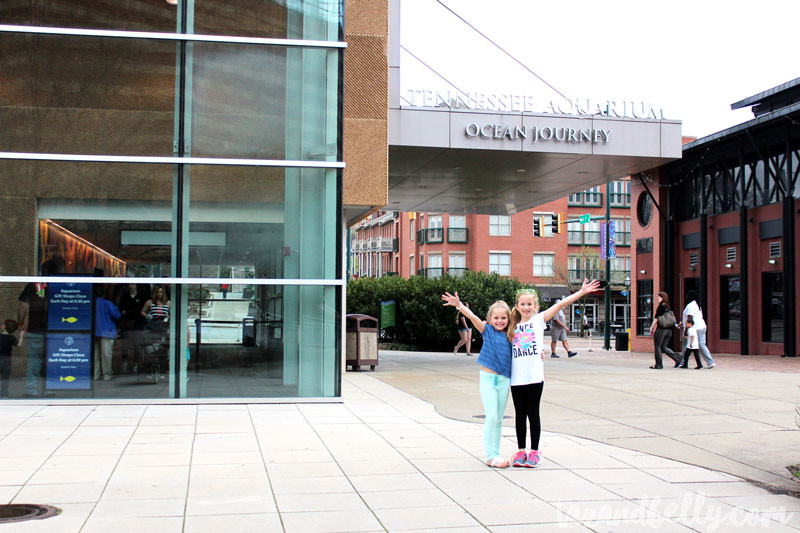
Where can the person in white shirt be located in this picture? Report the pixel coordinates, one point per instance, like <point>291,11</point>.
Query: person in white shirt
<point>693,311</point>
<point>526,333</point>
<point>692,345</point>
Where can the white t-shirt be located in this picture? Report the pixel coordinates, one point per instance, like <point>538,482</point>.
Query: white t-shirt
<point>691,333</point>
<point>526,352</point>
<point>693,309</point>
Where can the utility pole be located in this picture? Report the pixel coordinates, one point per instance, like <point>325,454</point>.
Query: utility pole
<point>606,236</point>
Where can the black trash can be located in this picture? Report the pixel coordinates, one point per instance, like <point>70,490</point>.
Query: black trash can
<point>621,343</point>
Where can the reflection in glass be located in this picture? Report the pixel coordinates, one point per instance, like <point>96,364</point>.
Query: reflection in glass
<point>240,95</point>
<point>772,306</point>
<point>90,218</point>
<point>87,340</point>
<point>257,222</point>
<point>130,15</point>
<point>301,19</point>
<point>247,341</point>
<point>731,308</point>
<point>86,95</point>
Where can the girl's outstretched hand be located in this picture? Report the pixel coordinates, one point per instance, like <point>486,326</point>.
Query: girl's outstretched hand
<point>590,287</point>
<point>451,299</point>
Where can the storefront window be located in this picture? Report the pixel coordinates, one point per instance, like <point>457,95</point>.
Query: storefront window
<point>730,308</point>
<point>772,306</point>
<point>137,269</point>
<point>644,306</point>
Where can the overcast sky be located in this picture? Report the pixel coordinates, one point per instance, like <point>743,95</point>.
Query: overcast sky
<point>691,58</point>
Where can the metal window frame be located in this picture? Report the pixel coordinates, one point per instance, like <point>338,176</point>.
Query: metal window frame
<point>171,160</point>
<point>334,282</point>
<point>167,36</point>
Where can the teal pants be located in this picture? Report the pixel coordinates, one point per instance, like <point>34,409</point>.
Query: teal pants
<point>494,394</point>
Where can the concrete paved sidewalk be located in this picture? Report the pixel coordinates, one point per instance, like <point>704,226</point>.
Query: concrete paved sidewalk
<point>737,418</point>
<point>382,460</point>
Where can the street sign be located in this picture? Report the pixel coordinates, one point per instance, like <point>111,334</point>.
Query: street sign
<point>585,219</point>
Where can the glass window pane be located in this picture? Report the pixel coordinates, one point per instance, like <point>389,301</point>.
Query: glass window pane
<point>262,341</point>
<point>86,95</point>
<point>262,222</point>
<point>131,15</point>
<point>267,102</point>
<point>302,19</point>
<point>88,218</point>
<point>90,340</point>
<point>730,304</point>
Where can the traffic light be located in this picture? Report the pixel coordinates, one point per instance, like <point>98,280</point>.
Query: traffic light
<point>558,223</point>
<point>537,226</point>
<point>554,223</point>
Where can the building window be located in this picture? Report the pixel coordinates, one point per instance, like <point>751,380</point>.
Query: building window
<point>499,225</point>
<point>730,308</point>
<point>434,269</point>
<point>772,306</point>
<point>412,231</point>
<point>547,223</point>
<point>620,193</point>
<point>620,269</point>
<point>623,231</point>
<point>583,266</point>
<point>543,265</point>
<point>458,221</point>
<point>590,197</point>
<point>500,263</point>
<point>410,265</point>
<point>434,221</point>
<point>644,210</point>
<point>644,306</point>
<point>584,234</point>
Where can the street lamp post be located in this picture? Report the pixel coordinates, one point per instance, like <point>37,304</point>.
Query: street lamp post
<point>628,300</point>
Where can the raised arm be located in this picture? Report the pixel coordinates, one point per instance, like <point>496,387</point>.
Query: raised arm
<point>586,288</point>
<point>453,301</point>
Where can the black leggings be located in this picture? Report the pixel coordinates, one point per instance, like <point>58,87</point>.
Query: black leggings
<point>526,404</point>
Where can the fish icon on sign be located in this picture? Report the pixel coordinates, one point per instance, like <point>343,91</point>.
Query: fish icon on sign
<point>70,319</point>
<point>68,379</point>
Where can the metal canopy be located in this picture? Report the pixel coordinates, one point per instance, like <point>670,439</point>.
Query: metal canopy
<point>479,162</point>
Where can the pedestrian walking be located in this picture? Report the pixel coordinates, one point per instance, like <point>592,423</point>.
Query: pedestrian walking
<point>464,332</point>
<point>661,329</point>
<point>693,311</point>
<point>558,331</point>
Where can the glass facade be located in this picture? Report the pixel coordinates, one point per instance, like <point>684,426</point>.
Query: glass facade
<point>171,192</point>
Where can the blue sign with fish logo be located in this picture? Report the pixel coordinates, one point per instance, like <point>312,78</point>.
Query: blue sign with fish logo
<point>69,361</point>
<point>69,307</point>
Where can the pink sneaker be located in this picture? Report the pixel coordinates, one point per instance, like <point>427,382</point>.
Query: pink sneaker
<point>519,459</point>
<point>533,459</point>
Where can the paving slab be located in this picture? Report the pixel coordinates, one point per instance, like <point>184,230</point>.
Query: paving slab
<point>385,461</point>
<point>738,417</point>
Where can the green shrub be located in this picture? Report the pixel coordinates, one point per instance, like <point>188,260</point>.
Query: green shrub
<point>421,318</point>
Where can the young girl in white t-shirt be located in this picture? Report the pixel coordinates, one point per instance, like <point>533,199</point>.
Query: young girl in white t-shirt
<point>526,333</point>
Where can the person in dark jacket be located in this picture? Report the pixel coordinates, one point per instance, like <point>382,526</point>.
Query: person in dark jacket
<point>662,335</point>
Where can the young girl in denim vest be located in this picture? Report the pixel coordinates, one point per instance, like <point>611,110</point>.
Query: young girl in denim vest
<point>526,333</point>
<point>495,374</point>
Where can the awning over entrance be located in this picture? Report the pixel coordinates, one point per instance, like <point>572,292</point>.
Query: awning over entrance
<point>455,160</point>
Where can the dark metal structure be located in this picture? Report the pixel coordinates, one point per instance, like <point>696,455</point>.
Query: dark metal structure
<point>748,166</point>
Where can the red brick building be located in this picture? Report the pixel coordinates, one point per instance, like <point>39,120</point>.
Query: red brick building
<point>434,244</point>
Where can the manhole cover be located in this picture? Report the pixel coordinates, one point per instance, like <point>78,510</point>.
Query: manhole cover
<point>484,416</point>
<point>19,512</point>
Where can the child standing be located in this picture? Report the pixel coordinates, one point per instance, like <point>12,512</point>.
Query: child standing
<point>495,374</point>
<point>526,333</point>
<point>693,346</point>
<point>7,342</point>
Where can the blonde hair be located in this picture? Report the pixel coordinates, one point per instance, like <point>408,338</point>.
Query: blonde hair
<point>516,316</point>
<point>499,304</point>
